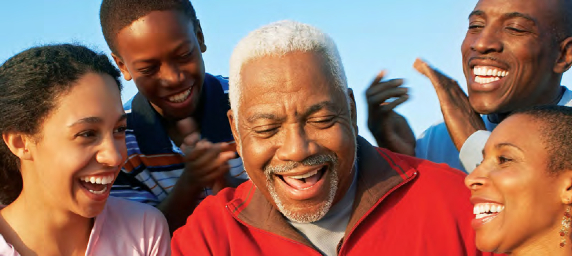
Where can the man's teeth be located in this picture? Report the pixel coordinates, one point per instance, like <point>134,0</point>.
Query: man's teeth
<point>98,179</point>
<point>180,97</point>
<point>488,209</point>
<point>485,71</point>
<point>303,176</point>
<point>485,75</point>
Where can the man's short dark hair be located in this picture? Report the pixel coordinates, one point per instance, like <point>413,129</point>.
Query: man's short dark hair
<point>564,29</point>
<point>555,126</point>
<point>115,15</point>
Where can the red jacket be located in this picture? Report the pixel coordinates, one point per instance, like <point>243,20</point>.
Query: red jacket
<point>403,206</point>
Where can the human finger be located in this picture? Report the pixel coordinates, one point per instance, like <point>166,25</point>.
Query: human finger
<point>380,98</point>
<point>382,86</point>
<point>435,76</point>
<point>391,105</point>
<point>378,78</point>
<point>187,126</point>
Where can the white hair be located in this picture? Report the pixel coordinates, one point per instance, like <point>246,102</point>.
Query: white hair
<point>278,39</point>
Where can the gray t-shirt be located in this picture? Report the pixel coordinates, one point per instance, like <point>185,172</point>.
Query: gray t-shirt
<point>326,233</point>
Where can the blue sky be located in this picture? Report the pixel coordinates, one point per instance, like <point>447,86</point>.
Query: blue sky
<point>371,36</point>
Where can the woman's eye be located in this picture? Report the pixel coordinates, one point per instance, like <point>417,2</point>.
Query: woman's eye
<point>503,159</point>
<point>86,134</point>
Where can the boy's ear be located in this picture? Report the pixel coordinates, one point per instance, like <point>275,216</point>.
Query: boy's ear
<point>122,67</point>
<point>232,123</point>
<point>200,36</point>
<point>353,109</point>
<point>18,144</point>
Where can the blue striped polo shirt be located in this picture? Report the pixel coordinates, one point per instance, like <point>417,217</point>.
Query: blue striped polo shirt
<point>154,163</point>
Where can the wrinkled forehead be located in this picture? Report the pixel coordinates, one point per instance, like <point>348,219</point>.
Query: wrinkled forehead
<point>300,76</point>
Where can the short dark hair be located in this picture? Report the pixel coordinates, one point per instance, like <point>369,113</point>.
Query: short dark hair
<point>115,15</point>
<point>30,83</point>
<point>563,26</point>
<point>555,126</point>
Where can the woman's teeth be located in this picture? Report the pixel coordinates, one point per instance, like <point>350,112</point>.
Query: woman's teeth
<point>486,210</point>
<point>98,179</point>
<point>97,184</point>
<point>180,97</point>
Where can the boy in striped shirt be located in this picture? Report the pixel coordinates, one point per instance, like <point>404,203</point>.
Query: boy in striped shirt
<point>179,142</point>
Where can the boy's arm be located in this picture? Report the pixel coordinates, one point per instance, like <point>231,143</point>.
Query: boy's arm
<point>205,164</point>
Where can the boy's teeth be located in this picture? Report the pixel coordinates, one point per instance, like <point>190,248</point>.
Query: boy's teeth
<point>180,97</point>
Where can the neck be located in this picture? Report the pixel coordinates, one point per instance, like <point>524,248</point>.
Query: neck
<point>29,221</point>
<point>547,243</point>
<point>551,97</point>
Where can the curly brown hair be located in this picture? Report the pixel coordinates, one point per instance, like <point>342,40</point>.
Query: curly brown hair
<point>30,83</point>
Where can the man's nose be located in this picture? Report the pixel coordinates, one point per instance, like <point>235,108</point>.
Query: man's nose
<point>487,41</point>
<point>296,145</point>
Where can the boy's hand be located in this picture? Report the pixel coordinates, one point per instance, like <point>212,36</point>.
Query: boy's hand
<point>205,162</point>
<point>461,119</point>
<point>389,128</point>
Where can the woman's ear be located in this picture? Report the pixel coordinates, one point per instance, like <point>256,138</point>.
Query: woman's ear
<point>565,179</point>
<point>19,144</point>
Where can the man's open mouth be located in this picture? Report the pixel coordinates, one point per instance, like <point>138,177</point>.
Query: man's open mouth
<point>304,181</point>
<point>488,74</point>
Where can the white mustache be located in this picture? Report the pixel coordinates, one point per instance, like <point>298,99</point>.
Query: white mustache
<point>310,161</point>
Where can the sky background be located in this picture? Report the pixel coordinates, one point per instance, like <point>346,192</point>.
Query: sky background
<point>370,35</point>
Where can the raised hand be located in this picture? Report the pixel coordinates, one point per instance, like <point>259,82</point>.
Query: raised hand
<point>389,128</point>
<point>205,162</point>
<point>461,119</point>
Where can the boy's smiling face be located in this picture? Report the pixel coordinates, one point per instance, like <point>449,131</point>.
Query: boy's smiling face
<point>162,53</point>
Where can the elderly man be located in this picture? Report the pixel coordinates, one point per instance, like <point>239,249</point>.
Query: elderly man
<point>514,55</point>
<point>316,187</point>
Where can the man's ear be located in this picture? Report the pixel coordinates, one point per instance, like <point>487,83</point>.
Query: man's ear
<point>233,128</point>
<point>200,36</point>
<point>565,58</point>
<point>122,67</point>
<point>18,144</point>
<point>353,109</point>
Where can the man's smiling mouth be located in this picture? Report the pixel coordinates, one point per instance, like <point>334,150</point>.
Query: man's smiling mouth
<point>488,74</point>
<point>303,181</point>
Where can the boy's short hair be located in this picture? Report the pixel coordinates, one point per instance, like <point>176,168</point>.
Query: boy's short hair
<point>115,15</point>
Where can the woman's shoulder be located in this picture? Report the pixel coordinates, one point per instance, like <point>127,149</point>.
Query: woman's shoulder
<point>131,212</point>
<point>133,222</point>
<point>7,249</point>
